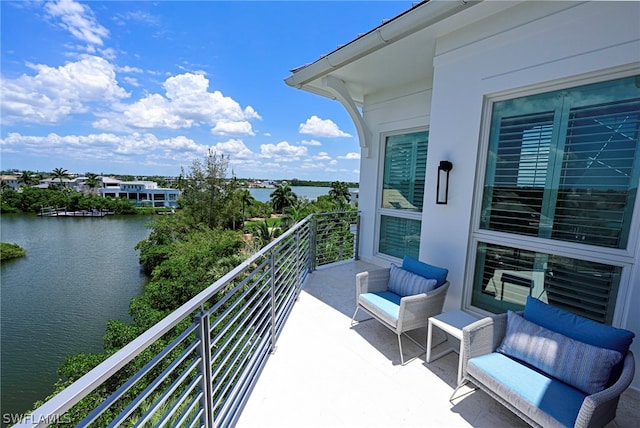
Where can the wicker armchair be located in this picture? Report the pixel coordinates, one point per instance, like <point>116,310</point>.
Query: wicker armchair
<point>399,314</point>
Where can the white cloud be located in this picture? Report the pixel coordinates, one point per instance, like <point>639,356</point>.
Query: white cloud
<point>283,152</point>
<point>106,147</point>
<point>187,102</point>
<point>235,149</point>
<point>129,69</point>
<point>350,156</point>
<point>224,127</point>
<point>138,16</point>
<point>78,19</point>
<point>54,93</point>
<point>310,143</point>
<point>322,156</point>
<point>132,81</point>
<point>321,128</point>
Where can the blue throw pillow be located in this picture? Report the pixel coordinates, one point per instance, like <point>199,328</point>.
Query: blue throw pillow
<point>404,283</point>
<point>426,270</point>
<point>577,327</point>
<point>583,366</point>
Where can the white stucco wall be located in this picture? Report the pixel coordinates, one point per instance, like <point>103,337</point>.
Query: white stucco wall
<point>529,45</point>
<point>405,109</point>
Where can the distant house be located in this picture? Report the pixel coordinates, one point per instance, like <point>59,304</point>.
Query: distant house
<point>45,183</point>
<point>536,105</point>
<point>141,193</point>
<point>11,181</point>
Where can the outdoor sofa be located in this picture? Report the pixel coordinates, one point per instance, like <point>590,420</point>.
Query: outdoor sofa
<point>548,366</point>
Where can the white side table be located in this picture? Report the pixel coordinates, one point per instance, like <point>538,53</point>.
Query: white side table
<point>451,322</point>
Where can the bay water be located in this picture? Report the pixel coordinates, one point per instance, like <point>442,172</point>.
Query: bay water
<point>54,302</point>
<point>308,192</point>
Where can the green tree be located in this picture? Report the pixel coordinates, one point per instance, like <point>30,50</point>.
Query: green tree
<point>340,193</point>
<point>265,233</point>
<point>206,191</point>
<point>60,174</point>
<point>28,178</point>
<point>92,181</point>
<point>247,200</point>
<point>283,197</point>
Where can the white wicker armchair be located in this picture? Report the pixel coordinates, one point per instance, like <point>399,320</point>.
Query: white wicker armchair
<point>399,314</point>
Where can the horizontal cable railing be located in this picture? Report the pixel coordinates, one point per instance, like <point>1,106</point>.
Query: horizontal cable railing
<point>197,366</point>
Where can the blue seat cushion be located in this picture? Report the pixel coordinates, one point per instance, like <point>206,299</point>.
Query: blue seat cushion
<point>426,270</point>
<point>383,304</point>
<point>557,399</point>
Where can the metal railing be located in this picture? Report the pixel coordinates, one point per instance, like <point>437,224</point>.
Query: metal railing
<point>197,366</point>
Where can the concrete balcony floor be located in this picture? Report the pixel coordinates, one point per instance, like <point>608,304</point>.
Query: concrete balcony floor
<point>327,373</point>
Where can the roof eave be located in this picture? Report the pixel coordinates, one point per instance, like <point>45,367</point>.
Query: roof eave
<point>415,19</point>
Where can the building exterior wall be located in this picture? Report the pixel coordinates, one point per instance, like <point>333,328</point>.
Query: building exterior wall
<point>518,49</point>
<point>405,110</point>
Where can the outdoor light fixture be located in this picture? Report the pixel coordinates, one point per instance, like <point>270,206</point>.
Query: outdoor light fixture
<point>442,189</point>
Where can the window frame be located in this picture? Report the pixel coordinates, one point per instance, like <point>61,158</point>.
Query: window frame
<point>625,258</point>
<point>390,212</point>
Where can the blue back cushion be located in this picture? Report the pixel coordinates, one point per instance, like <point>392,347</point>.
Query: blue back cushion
<point>405,283</point>
<point>578,364</point>
<point>426,270</point>
<point>577,327</point>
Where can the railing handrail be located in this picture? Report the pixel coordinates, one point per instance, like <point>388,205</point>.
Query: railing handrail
<point>51,410</point>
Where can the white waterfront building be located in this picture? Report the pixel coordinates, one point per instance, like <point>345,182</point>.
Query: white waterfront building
<point>141,193</point>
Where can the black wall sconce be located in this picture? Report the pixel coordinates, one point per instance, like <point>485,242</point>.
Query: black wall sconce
<point>442,189</point>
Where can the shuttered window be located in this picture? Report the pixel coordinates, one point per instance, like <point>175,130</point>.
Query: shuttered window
<point>399,237</point>
<point>564,166</point>
<point>566,170</point>
<point>405,164</point>
<point>505,276</point>
<point>402,198</point>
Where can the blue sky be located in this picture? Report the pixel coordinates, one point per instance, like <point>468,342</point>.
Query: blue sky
<point>145,87</point>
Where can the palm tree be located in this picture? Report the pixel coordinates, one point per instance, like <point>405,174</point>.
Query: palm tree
<point>27,178</point>
<point>60,174</point>
<point>264,233</point>
<point>340,192</point>
<point>293,216</point>
<point>283,197</point>
<point>92,181</point>
<point>246,199</point>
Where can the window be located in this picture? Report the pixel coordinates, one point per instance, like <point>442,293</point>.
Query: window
<point>405,162</point>
<point>561,166</point>
<point>505,276</point>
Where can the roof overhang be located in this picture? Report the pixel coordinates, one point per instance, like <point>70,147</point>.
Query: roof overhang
<point>399,50</point>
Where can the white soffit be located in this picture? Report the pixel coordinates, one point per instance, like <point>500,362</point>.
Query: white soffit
<point>398,52</point>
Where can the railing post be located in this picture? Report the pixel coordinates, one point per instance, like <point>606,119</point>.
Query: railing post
<point>204,352</point>
<point>272,269</point>
<point>298,270</point>
<point>314,242</point>
<point>356,249</point>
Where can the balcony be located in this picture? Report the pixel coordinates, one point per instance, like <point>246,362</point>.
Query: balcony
<point>271,345</point>
<point>325,373</point>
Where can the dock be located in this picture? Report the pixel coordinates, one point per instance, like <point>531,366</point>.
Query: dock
<point>62,212</point>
